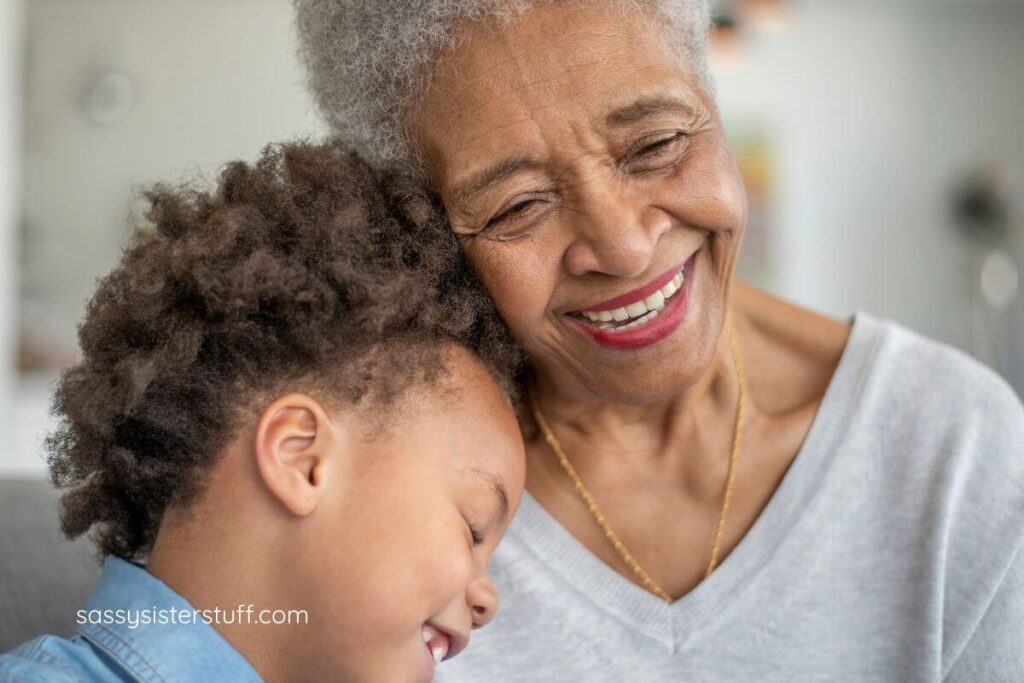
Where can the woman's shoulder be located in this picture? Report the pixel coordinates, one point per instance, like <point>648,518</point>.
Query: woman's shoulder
<point>936,382</point>
<point>948,431</point>
<point>798,354</point>
<point>925,410</point>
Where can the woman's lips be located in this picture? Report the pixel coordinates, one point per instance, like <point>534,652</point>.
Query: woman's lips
<point>641,293</point>
<point>666,322</point>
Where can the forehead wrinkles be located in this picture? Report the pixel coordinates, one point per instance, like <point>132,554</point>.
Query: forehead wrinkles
<point>499,120</point>
<point>546,55</point>
<point>514,88</point>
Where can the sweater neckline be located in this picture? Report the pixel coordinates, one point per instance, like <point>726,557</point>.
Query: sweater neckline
<point>674,625</point>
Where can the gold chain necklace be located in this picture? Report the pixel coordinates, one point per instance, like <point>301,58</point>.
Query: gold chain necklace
<point>595,512</point>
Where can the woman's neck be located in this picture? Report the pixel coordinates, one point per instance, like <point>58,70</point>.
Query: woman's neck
<point>686,425</point>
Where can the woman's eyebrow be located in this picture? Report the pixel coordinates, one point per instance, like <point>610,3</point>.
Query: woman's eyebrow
<point>624,116</point>
<point>500,494</point>
<point>648,106</point>
<point>492,175</point>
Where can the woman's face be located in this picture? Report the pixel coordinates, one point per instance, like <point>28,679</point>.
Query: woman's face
<point>583,167</point>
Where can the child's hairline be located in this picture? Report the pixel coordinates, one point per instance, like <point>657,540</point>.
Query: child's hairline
<point>444,383</point>
<point>376,418</point>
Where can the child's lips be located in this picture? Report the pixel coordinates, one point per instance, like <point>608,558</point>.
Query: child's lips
<point>442,644</point>
<point>437,643</point>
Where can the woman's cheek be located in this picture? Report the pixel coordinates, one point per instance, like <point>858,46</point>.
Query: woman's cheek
<point>515,277</point>
<point>706,192</point>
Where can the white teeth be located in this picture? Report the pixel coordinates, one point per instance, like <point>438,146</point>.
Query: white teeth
<point>641,311</point>
<point>655,301</point>
<point>437,651</point>
<point>673,286</point>
<point>636,310</point>
<point>638,322</point>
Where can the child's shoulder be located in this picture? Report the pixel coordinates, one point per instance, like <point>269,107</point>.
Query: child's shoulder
<point>52,659</point>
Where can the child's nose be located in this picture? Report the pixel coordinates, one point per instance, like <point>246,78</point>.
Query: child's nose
<point>483,601</point>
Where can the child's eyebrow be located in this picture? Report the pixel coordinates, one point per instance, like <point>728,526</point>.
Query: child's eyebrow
<point>500,493</point>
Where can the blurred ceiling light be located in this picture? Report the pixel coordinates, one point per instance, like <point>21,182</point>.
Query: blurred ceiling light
<point>109,97</point>
<point>727,50</point>
<point>1000,279</point>
<point>733,22</point>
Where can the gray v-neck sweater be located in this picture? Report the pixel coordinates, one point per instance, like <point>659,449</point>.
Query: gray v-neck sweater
<point>891,551</point>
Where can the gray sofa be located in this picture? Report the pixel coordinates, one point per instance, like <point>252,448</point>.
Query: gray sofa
<point>44,579</point>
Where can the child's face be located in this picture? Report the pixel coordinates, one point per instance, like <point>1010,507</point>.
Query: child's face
<point>405,545</point>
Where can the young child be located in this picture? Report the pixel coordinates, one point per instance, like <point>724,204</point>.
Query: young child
<point>291,434</point>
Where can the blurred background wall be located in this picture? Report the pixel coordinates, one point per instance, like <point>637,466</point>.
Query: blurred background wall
<point>860,127</point>
<point>118,94</point>
<point>880,115</point>
<point>11,62</point>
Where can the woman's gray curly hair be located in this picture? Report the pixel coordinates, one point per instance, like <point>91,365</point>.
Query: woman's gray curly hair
<point>367,58</point>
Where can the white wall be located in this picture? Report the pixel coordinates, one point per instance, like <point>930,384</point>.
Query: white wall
<point>11,33</point>
<point>878,106</point>
<point>213,81</point>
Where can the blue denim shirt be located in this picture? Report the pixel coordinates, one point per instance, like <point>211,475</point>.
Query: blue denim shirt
<point>112,651</point>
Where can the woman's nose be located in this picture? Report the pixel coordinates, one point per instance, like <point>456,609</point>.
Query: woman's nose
<point>613,233</point>
<point>483,600</point>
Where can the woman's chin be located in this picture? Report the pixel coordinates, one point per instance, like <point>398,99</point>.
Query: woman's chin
<point>645,386</point>
<point>658,372</point>
<point>654,375</point>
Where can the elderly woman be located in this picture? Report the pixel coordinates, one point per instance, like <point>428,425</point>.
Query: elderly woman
<point>722,486</point>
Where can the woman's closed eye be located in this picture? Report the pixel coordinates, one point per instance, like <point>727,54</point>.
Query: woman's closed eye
<point>512,212</point>
<point>654,153</point>
<point>649,153</point>
<point>514,221</point>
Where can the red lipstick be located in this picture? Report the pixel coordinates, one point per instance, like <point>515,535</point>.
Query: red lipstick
<point>663,326</point>
<point>638,294</point>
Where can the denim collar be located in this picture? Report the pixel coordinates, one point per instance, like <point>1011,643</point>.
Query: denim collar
<point>126,597</point>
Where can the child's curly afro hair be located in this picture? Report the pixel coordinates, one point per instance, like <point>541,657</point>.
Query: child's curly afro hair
<point>305,266</point>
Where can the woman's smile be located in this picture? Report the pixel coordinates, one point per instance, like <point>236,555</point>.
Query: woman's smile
<point>642,317</point>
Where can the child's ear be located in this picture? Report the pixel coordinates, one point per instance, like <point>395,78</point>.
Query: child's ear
<point>294,442</point>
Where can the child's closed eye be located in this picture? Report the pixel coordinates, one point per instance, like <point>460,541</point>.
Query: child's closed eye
<point>475,534</point>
